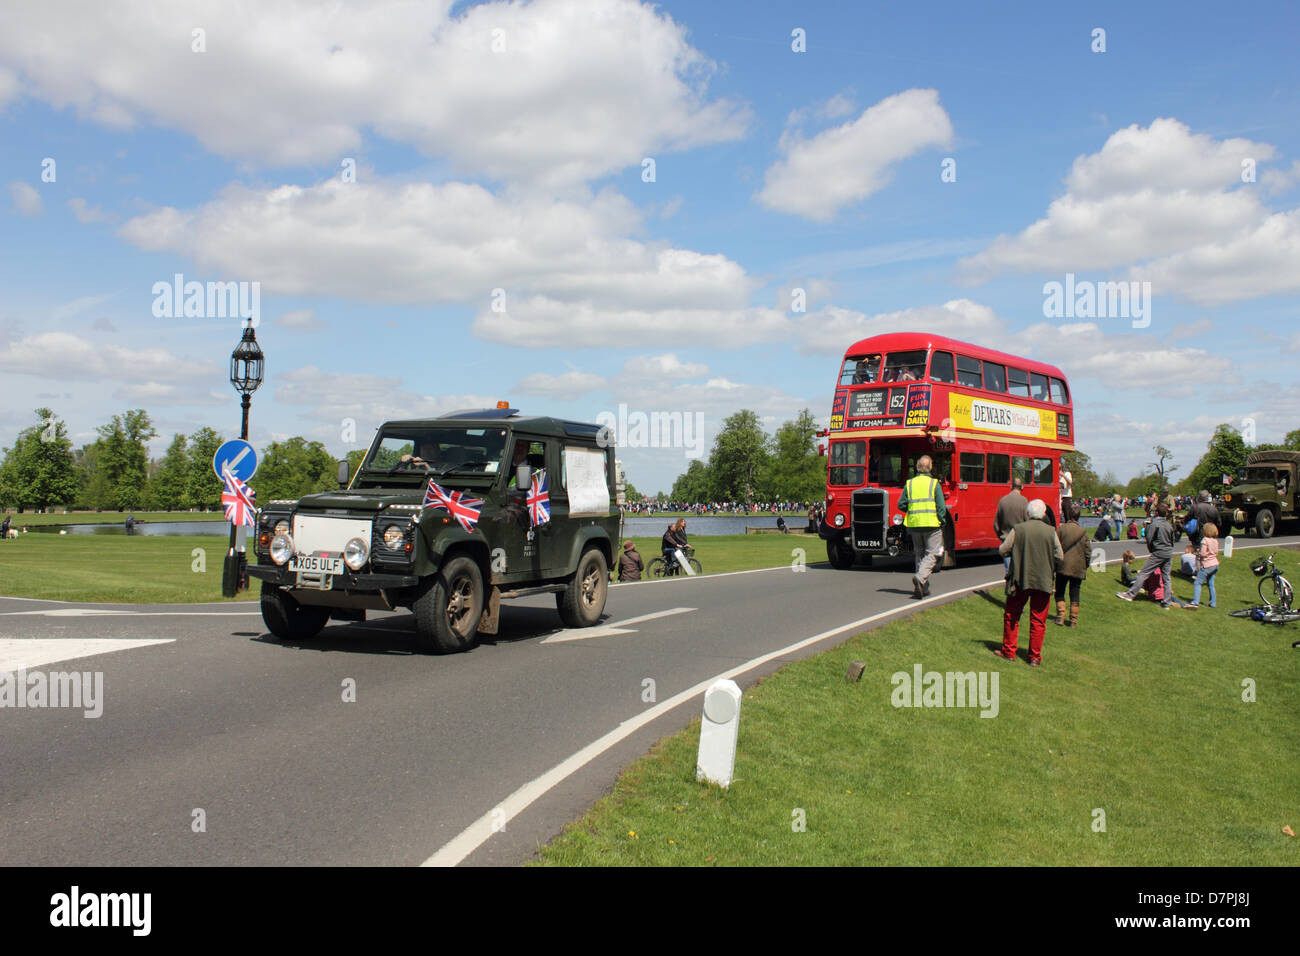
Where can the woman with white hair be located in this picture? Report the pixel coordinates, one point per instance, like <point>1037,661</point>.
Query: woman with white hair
<point>1036,556</point>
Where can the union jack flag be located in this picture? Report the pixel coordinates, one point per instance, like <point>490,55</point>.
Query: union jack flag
<point>539,500</point>
<point>456,503</point>
<point>237,500</point>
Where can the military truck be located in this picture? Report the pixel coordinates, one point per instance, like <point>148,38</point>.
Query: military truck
<point>447,517</point>
<point>1263,494</point>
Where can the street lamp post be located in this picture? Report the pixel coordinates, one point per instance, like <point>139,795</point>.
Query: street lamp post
<point>246,367</point>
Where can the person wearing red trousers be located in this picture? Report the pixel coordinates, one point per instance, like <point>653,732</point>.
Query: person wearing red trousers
<point>1036,556</point>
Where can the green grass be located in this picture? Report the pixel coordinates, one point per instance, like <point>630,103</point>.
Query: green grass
<point>117,568</point>
<point>108,517</point>
<point>1138,712</point>
<point>157,569</point>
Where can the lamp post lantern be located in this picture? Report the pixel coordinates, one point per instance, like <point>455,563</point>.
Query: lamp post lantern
<point>246,367</point>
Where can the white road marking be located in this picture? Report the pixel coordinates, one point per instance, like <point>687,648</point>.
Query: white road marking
<point>607,630</point>
<point>23,653</point>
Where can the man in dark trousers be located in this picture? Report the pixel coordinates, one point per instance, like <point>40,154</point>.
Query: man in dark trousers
<point>1036,556</point>
<point>922,502</point>
<point>629,563</point>
<point>1160,542</point>
<point>1011,512</point>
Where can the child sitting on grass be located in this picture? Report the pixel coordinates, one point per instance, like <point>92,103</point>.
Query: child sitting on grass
<point>1127,575</point>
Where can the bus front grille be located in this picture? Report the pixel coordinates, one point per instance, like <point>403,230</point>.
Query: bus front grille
<point>869,517</point>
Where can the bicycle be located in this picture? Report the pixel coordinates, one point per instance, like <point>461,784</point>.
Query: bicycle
<point>659,568</point>
<point>1274,589</point>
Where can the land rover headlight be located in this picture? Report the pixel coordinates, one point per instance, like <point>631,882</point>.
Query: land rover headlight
<point>281,527</point>
<point>839,521</point>
<point>281,548</point>
<point>394,537</point>
<point>355,553</point>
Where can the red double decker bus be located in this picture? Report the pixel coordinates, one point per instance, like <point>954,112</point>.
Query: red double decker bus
<point>984,417</point>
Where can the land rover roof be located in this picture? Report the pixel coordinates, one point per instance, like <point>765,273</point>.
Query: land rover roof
<point>487,417</point>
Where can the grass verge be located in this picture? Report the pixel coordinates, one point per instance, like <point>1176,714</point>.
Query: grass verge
<point>1138,714</point>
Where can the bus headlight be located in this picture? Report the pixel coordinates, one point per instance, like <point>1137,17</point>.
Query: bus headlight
<point>839,521</point>
<point>898,519</point>
<point>355,553</point>
<point>281,548</point>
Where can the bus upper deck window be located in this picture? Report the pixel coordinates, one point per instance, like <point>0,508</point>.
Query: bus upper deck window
<point>968,372</point>
<point>905,366</point>
<point>860,370</point>
<point>942,369</point>
<point>995,377</point>
<point>1018,382</point>
<point>1040,387</point>
<point>1060,394</point>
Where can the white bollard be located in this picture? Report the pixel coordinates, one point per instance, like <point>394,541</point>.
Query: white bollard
<point>681,560</point>
<point>1227,546</point>
<point>717,759</point>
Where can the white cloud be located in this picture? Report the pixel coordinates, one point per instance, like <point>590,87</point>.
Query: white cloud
<point>1169,205</point>
<point>68,356</point>
<point>25,199</point>
<point>168,395</point>
<point>69,309</point>
<point>563,387</point>
<point>833,329</point>
<point>662,368</point>
<point>555,91</point>
<point>840,166</point>
<point>87,213</point>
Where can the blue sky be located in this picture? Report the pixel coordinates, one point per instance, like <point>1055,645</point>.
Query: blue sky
<point>502,147</point>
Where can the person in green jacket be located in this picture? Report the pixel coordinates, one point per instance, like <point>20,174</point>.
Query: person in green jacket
<point>922,503</point>
<point>1075,545</point>
<point>1036,556</point>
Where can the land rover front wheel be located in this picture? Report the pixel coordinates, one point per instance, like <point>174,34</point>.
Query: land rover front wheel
<point>287,619</point>
<point>447,612</point>
<point>582,602</point>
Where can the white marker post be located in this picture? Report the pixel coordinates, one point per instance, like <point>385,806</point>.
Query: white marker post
<point>717,759</point>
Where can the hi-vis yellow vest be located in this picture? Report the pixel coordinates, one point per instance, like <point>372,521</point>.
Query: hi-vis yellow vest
<point>921,510</point>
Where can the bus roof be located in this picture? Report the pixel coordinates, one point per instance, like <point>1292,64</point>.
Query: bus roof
<point>898,341</point>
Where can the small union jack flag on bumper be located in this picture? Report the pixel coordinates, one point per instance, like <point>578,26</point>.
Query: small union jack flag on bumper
<point>237,500</point>
<point>456,503</point>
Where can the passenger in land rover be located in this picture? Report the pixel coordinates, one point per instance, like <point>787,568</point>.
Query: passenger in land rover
<point>429,523</point>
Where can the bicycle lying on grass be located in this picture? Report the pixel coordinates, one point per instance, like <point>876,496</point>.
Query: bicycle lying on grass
<point>659,568</point>
<point>1276,593</point>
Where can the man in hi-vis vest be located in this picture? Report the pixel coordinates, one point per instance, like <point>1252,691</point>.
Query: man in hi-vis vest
<point>922,502</point>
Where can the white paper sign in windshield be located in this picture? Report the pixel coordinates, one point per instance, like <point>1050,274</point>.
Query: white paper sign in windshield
<point>585,477</point>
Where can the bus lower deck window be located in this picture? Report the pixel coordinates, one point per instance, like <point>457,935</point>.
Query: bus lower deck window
<point>972,467</point>
<point>1044,473</point>
<point>999,472</point>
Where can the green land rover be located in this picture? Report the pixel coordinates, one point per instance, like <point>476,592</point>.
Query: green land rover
<point>447,517</point>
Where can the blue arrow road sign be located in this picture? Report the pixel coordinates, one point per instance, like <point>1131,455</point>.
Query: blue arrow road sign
<point>237,455</point>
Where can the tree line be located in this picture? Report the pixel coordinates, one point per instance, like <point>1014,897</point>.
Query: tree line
<point>43,470</point>
<point>748,465</point>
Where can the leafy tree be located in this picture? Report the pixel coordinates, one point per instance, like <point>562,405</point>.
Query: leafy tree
<point>1292,440</point>
<point>692,485</point>
<point>1225,452</point>
<point>202,487</point>
<point>795,471</point>
<point>293,468</point>
<point>124,457</point>
<point>168,488</point>
<point>39,471</point>
<point>739,456</point>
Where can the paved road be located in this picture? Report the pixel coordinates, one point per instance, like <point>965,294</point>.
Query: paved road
<point>206,711</point>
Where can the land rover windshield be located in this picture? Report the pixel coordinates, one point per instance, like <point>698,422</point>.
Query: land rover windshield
<point>435,450</point>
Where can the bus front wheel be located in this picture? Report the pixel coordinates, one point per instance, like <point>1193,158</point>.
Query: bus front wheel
<point>839,554</point>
